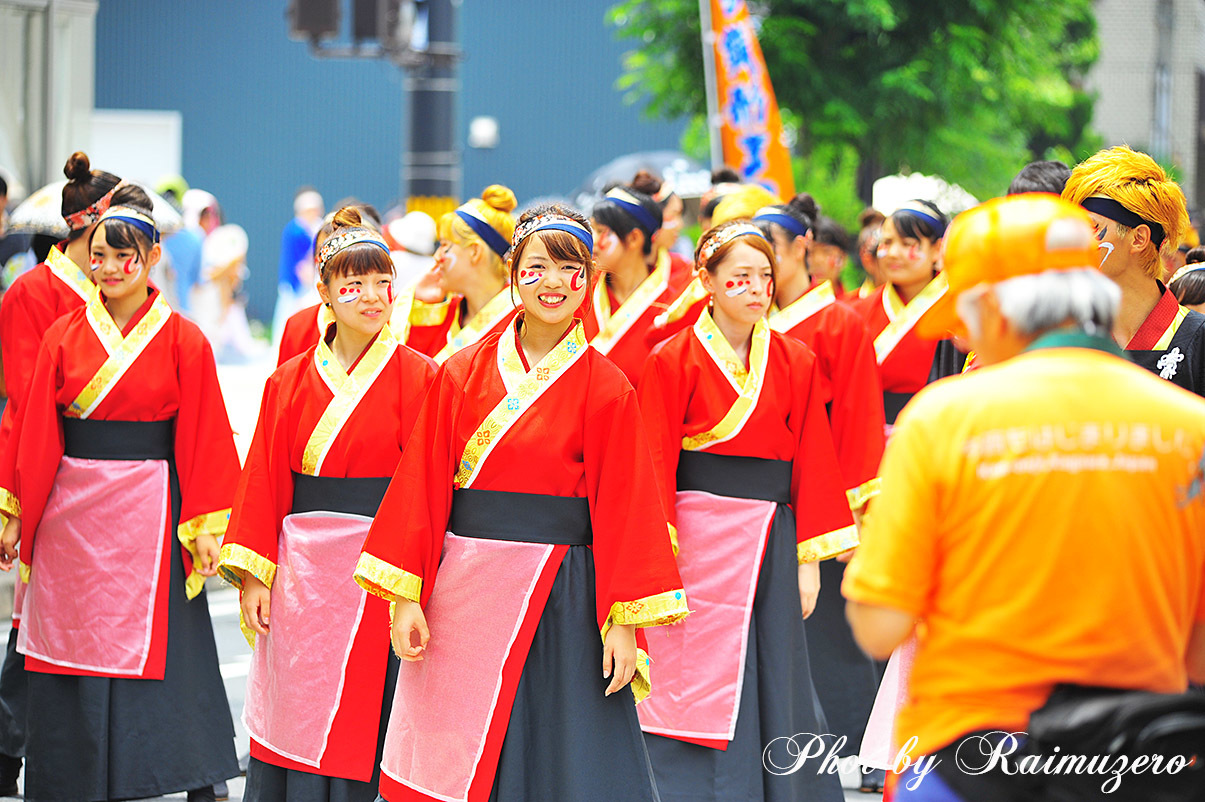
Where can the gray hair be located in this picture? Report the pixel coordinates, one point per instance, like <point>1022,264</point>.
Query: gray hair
<point>1037,303</point>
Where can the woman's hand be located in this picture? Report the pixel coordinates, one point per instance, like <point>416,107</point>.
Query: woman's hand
<point>8,543</point>
<point>207,555</point>
<point>256,601</point>
<point>428,288</point>
<point>619,656</point>
<point>408,618</point>
<point>809,587</point>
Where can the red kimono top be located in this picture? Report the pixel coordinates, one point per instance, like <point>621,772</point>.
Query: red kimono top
<point>35,301</point>
<point>569,427</point>
<point>850,377</point>
<point>848,372</point>
<point>439,330</point>
<point>620,331</point>
<point>304,329</point>
<point>697,395</point>
<point>904,358</point>
<point>319,420</point>
<point>159,367</point>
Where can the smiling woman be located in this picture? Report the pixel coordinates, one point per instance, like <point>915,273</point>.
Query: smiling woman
<point>124,395</point>
<point>331,430</point>
<point>523,544</point>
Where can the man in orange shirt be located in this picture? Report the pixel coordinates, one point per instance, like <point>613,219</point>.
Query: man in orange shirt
<point>1042,519</point>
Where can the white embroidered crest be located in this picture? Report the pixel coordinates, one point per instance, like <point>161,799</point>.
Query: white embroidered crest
<point>1168,363</point>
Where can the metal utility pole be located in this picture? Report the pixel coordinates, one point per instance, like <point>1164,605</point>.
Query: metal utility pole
<point>419,36</point>
<point>431,167</point>
<point>714,122</point>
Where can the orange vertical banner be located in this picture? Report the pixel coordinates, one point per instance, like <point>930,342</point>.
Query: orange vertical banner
<point>752,127</point>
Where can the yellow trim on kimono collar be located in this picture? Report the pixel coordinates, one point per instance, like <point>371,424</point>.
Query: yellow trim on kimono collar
<point>348,391</point>
<point>612,326</point>
<point>748,384</point>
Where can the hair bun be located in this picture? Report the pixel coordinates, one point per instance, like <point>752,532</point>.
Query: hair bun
<point>347,217</point>
<point>805,203</point>
<point>644,181</point>
<point>499,197</point>
<point>78,168</point>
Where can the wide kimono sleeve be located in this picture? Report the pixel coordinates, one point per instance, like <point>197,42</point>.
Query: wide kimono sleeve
<point>300,332</point>
<point>823,523</point>
<point>31,459</point>
<point>857,408</point>
<point>636,576</point>
<point>401,553</point>
<point>19,338</point>
<point>663,408</point>
<point>265,492</point>
<point>206,460</point>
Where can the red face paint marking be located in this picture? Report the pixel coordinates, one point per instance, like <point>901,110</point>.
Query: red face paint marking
<point>729,284</point>
<point>126,267</point>
<point>578,281</point>
<point>96,263</point>
<point>389,293</point>
<point>913,252</point>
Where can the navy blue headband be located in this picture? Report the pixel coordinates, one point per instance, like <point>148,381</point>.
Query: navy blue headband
<point>1107,207</point>
<point>487,233</point>
<point>635,210</point>
<point>784,220</point>
<point>151,232</point>
<point>936,222</point>
<point>583,235</point>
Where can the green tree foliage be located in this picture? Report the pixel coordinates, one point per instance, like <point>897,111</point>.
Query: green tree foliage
<point>968,89</point>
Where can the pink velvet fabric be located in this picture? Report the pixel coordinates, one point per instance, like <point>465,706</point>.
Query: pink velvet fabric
<point>698,664</point>
<point>297,671</point>
<point>90,602</point>
<point>444,705</point>
<point>879,744</point>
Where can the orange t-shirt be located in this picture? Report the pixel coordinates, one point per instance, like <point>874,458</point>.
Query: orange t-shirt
<point>1041,519</point>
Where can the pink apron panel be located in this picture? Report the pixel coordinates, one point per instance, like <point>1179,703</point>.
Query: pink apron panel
<point>18,599</point>
<point>699,663</point>
<point>297,671</point>
<point>90,602</point>
<point>879,749</point>
<point>444,705</point>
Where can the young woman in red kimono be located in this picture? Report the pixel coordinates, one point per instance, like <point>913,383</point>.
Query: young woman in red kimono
<point>630,294</point>
<point>523,542</point>
<point>471,261</point>
<point>846,679</point>
<point>124,432</point>
<point>909,250</point>
<point>746,464</point>
<point>34,301</point>
<point>306,327</point>
<point>331,429</point>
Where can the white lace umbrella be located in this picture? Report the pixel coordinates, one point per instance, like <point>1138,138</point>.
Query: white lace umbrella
<point>891,192</point>
<point>41,212</point>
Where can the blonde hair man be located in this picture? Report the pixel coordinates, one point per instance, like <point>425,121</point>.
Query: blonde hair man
<point>1138,212</point>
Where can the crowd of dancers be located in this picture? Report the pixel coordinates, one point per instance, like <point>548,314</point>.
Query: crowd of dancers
<point>484,515</point>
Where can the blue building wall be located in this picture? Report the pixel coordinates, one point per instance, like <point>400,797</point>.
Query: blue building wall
<point>262,117</point>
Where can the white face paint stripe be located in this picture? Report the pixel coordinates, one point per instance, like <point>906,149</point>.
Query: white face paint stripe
<point>1107,247</point>
<point>736,291</point>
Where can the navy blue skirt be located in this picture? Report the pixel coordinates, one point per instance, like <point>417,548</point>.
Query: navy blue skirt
<point>777,701</point>
<point>847,681</point>
<point>566,741</point>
